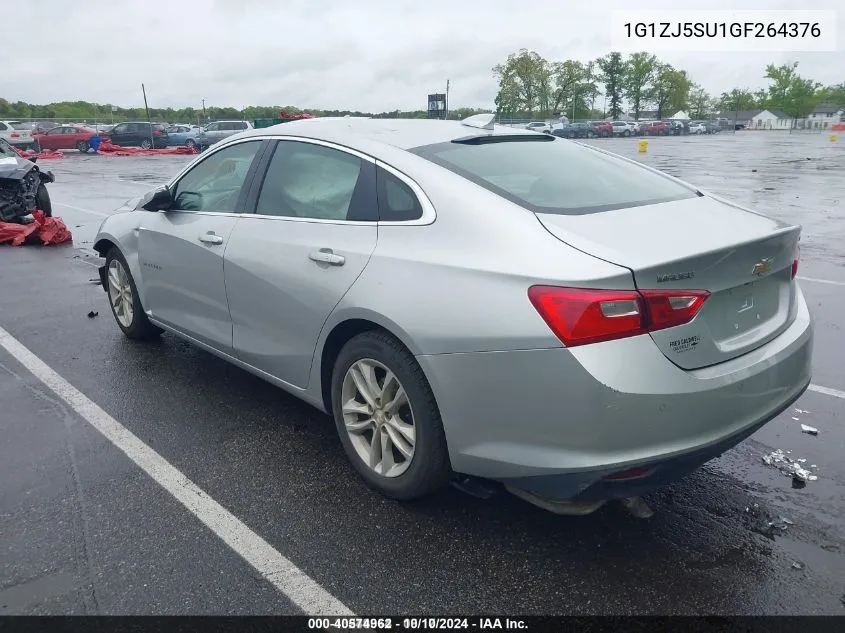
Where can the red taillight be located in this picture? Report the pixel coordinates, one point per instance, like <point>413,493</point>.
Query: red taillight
<point>580,316</point>
<point>795,262</point>
<point>14,135</point>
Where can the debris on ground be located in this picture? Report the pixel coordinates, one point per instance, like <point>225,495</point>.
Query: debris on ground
<point>801,411</point>
<point>809,430</point>
<point>797,565</point>
<point>46,154</point>
<point>110,149</point>
<point>788,466</point>
<point>92,314</point>
<point>781,523</point>
<point>48,230</point>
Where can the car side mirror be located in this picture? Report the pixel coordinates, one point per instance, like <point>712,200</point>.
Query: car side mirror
<point>158,200</point>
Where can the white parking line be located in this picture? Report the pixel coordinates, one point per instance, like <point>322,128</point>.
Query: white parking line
<point>70,206</point>
<point>827,391</point>
<point>291,581</point>
<point>822,281</point>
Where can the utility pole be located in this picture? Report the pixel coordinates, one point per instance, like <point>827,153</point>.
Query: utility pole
<point>446,116</point>
<point>147,109</point>
<point>203,111</point>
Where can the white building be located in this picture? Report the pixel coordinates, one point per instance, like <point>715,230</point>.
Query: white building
<point>770,120</point>
<point>823,116</point>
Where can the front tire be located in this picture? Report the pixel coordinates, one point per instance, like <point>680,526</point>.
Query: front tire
<point>190,143</point>
<point>387,418</point>
<point>146,144</point>
<point>83,146</point>
<point>42,200</point>
<point>124,301</point>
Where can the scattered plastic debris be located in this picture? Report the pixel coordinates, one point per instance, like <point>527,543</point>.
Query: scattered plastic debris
<point>780,524</point>
<point>638,507</point>
<point>797,565</point>
<point>801,411</point>
<point>796,419</point>
<point>788,466</point>
<point>43,229</point>
<point>92,314</point>
<point>809,430</point>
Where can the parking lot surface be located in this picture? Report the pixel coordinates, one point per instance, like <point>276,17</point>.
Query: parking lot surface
<point>97,523</point>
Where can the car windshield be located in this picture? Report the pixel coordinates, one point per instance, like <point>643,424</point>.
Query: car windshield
<point>553,176</point>
<point>20,125</point>
<point>6,150</point>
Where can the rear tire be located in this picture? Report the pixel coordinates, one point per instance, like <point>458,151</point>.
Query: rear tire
<point>83,146</point>
<point>146,144</point>
<point>372,358</point>
<point>190,143</point>
<point>123,299</point>
<point>42,200</point>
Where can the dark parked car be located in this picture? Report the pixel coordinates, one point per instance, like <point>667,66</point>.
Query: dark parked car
<point>138,134</point>
<point>564,131</point>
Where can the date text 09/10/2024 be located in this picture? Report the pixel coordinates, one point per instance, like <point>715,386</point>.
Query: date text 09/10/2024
<point>418,624</point>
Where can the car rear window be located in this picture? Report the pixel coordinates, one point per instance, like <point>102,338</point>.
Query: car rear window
<point>20,125</point>
<point>555,176</point>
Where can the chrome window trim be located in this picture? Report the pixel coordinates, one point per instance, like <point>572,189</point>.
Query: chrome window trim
<point>429,215</point>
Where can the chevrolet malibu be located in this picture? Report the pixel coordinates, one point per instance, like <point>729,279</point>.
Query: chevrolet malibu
<point>474,303</point>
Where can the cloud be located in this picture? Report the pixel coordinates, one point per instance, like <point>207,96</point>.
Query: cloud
<point>372,55</point>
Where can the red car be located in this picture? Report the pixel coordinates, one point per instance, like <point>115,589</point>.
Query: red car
<point>66,137</point>
<point>655,128</point>
<point>603,128</point>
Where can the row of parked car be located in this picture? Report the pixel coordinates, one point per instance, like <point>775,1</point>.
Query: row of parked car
<point>607,129</point>
<point>53,136</point>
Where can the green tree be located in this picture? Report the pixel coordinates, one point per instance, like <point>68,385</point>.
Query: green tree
<point>523,75</point>
<point>612,75</point>
<point>700,103</point>
<point>638,74</point>
<point>670,90</point>
<point>790,92</point>
<point>737,100</point>
<point>573,84</point>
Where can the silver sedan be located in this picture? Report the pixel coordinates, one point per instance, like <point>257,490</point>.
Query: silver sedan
<point>474,303</point>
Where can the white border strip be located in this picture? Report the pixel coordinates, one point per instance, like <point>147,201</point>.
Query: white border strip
<point>291,581</point>
<point>827,391</point>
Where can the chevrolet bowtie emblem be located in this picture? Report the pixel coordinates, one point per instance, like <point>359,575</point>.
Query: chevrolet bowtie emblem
<point>762,267</point>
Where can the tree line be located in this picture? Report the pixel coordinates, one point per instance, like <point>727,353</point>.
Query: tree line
<point>79,111</point>
<point>531,86</point>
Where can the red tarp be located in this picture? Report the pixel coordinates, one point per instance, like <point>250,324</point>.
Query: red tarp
<point>46,154</point>
<point>47,230</point>
<point>106,147</point>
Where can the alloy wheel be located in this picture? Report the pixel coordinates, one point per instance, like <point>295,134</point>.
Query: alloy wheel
<point>378,418</point>
<point>120,293</point>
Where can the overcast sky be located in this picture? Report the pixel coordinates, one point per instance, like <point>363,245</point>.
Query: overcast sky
<point>369,55</point>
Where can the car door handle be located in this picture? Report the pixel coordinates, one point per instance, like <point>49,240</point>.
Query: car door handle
<point>326,256</point>
<point>210,238</point>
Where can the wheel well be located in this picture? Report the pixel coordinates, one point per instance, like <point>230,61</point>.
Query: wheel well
<point>103,246</point>
<point>335,341</point>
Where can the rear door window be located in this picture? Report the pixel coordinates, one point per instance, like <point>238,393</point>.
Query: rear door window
<point>396,200</point>
<point>552,176</point>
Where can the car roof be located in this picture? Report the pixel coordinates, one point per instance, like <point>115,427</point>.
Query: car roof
<point>363,134</point>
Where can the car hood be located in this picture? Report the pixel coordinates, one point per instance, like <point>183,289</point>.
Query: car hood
<point>15,168</point>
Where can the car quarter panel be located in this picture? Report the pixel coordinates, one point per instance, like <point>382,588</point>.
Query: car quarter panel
<point>460,284</point>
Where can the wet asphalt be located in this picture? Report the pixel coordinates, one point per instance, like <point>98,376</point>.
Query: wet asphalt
<point>84,530</point>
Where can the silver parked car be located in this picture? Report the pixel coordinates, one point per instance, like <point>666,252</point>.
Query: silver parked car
<point>470,300</point>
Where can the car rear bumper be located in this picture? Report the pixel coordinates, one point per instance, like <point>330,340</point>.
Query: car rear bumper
<point>557,422</point>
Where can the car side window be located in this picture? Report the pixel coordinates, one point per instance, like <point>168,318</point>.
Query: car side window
<point>119,129</point>
<point>56,130</point>
<point>396,200</point>
<point>305,180</point>
<point>211,127</point>
<point>3,126</point>
<point>215,183</point>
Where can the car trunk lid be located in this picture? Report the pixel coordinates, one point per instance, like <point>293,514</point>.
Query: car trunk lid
<point>743,259</point>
